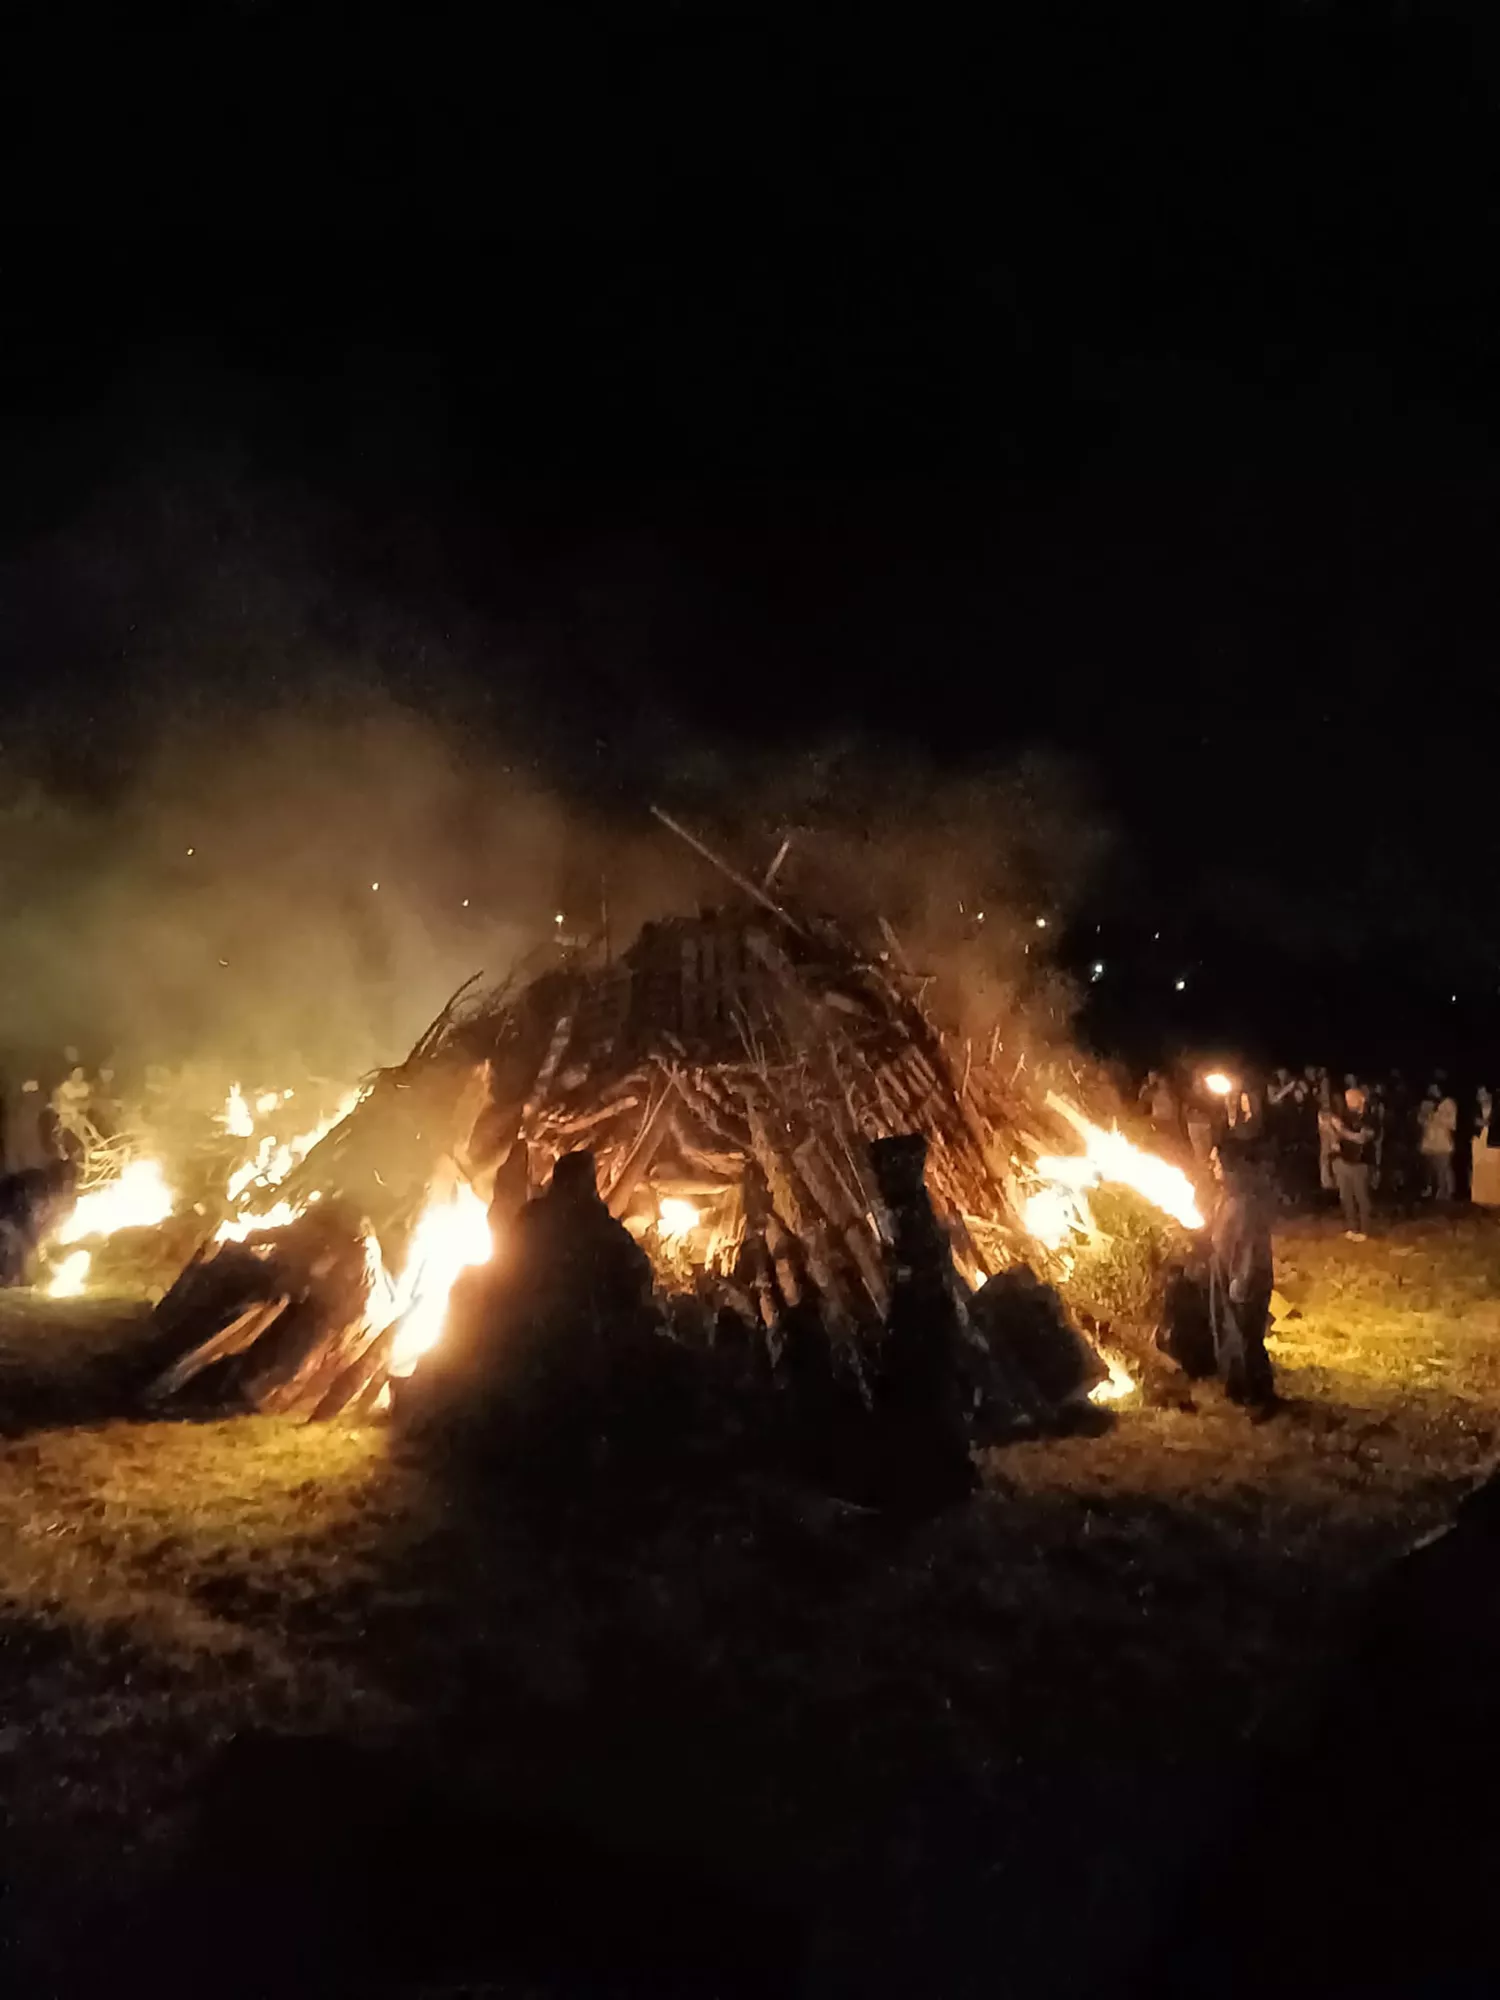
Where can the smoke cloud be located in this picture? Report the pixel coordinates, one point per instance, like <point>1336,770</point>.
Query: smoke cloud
<point>291,817</point>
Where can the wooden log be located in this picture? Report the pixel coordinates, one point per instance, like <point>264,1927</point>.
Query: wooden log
<point>561,1035</point>
<point>755,1268</point>
<point>348,1388</point>
<point>333,1310</point>
<point>823,1183</point>
<point>367,1403</point>
<point>798,1209</point>
<point>587,1121</point>
<point>851,1225</point>
<point>725,1168</point>
<point>783,1248</point>
<point>638,1160</point>
<point>214,1284</point>
<point>272,1386</point>
<point>241,1333</point>
<point>302,1395</point>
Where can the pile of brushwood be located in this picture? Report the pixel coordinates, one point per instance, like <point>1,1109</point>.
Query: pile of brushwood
<point>561,1356</point>
<point>824,1196</point>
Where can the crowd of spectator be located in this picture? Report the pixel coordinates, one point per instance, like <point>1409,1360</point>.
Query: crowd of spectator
<point>1324,1137</point>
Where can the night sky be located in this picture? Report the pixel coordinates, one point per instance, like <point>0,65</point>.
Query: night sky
<point>1121,383</point>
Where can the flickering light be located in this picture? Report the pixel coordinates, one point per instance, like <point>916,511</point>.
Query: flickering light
<point>70,1276</point>
<point>1097,970</point>
<point>1217,1082</point>
<point>192,850</point>
<point>1041,923</point>
<point>374,885</point>
<point>137,1198</point>
<point>466,902</point>
<point>1179,986</point>
<point>676,1217</point>
<point>558,918</point>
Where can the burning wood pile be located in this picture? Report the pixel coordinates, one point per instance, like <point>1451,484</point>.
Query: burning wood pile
<point>728,1074</point>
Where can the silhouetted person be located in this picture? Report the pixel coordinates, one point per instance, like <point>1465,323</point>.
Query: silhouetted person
<point>1439,1132</point>
<point>568,1289</point>
<point>1186,1330</point>
<point>574,1262</point>
<point>33,1200</point>
<point>1241,1281</point>
<point>921,1388</point>
<point>1160,1103</point>
<point>1354,1142</point>
<point>1284,1094</point>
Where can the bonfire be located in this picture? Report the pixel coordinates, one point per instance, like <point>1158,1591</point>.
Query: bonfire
<point>728,1072</point>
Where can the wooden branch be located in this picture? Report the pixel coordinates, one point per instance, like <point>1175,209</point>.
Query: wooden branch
<point>241,1332</point>
<point>356,1377</point>
<point>641,1154</point>
<point>433,1033</point>
<point>740,881</point>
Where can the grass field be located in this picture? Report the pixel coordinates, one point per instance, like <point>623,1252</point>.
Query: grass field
<point>985,1741</point>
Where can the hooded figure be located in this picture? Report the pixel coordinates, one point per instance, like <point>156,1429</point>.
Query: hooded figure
<point>1240,1281</point>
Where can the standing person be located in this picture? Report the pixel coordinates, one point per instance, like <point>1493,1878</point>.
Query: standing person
<point>1240,1280</point>
<point>1305,1138</point>
<point>1245,1109</point>
<point>1200,1125</point>
<point>1439,1129</point>
<point>1283,1108</point>
<point>70,1100</point>
<point>1354,1140</point>
<point>1484,1158</point>
<point>1159,1102</point>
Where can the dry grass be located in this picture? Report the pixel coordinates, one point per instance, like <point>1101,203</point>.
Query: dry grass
<point>999,1715</point>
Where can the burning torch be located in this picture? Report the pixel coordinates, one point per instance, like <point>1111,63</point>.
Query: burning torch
<point>1233,1102</point>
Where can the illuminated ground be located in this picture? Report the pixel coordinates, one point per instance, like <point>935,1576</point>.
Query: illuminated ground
<point>950,1749</point>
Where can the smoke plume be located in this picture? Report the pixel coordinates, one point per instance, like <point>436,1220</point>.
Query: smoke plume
<point>288,817</point>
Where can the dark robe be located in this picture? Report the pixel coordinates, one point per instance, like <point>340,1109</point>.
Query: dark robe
<point>1240,1285</point>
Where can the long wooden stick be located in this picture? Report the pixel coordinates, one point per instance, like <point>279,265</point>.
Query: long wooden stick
<point>740,881</point>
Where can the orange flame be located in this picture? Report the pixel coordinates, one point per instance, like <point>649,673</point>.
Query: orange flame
<point>676,1218</point>
<point>1118,1384</point>
<point>1058,1209</point>
<point>452,1235</point>
<point>1110,1156</point>
<point>235,1117</point>
<point>71,1276</point>
<point>136,1198</point>
<point>271,1162</point>
<point>235,1228</point>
